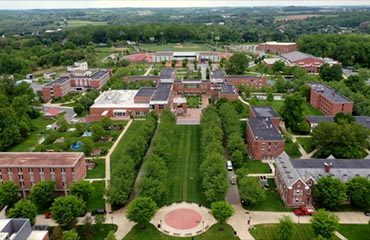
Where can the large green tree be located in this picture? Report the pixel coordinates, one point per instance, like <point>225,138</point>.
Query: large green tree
<point>65,210</point>
<point>250,190</point>
<point>286,228</point>
<point>324,223</point>
<point>341,140</point>
<point>42,193</point>
<point>24,209</point>
<point>9,193</point>
<point>329,192</point>
<point>237,64</point>
<point>70,235</point>
<point>222,211</point>
<point>359,192</point>
<point>331,73</point>
<point>292,113</point>
<point>141,210</point>
<point>82,189</point>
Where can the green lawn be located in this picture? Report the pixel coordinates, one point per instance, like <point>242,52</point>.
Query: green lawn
<point>268,232</point>
<point>98,171</point>
<point>151,233</point>
<point>176,47</point>
<point>96,200</point>
<point>256,166</point>
<point>271,202</point>
<point>355,231</point>
<point>79,23</point>
<point>121,147</point>
<point>32,141</point>
<point>311,111</point>
<point>193,101</point>
<point>291,148</point>
<point>307,144</point>
<point>184,177</point>
<point>99,232</point>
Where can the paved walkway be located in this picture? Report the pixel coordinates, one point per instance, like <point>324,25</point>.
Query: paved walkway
<point>206,222</point>
<point>148,71</point>
<point>108,206</point>
<point>242,100</point>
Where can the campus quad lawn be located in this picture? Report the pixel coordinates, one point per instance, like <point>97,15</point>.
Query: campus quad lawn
<point>291,148</point>
<point>193,101</point>
<point>96,200</point>
<point>121,147</point>
<point>32,141</point>
<point>271,202</point>
<point>184,176</point>
<point>307,144</point>
<point>151,233</point>
<point>268,232</point>
<point>254,166</point>
<point>355,231</point>
<point>311,111</point>
<point>98,171</point>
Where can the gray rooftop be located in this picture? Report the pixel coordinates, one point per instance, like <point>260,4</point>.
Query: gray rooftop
<point>146,92</point>
<point>58,81</point>
<point>218,74</point>
<point>328,92</point>
<point>344,169</point>
<point>163,92</point>
<point>264,129</point>
<point>363,120</point>
<point>319,119</point>
<point>99,74</point>
<point>263,111</point>
<point>167,73</point>
<point>295,56</point>
<point>227,89</point>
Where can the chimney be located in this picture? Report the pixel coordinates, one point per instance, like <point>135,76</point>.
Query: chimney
<point>327,167</point>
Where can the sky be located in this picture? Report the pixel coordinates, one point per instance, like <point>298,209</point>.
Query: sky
<point>58,4</point>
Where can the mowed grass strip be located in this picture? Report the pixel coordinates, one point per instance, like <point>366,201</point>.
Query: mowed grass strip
<point>355,231</point>
<point>121,147</point>
<point>184,175</point>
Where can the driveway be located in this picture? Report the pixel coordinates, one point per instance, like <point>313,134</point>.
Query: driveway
<point>232,196</point>
<point>68,110</point>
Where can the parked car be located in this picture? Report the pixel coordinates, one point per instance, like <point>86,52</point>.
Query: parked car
<point>367,213</point>
<point>303,211</point>
<point>264,182</point>
<point>47,215</point>
<point>98,211</point>
<point>229,165</point>
<point>233,179</point>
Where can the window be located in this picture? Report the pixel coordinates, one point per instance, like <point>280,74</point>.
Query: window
<point>63,169</point>
<point>161,106</point>
<point>20,170</point>
<point>309,183</point>
<point>137,113</point>
<point>152,106</point>
<point>41,170</point>
<point>298,184</point>
<point>22,184</point>
<point>308,191</point>
<point>20,176</point>
<point>65,185</point>
<point>9,170</point>
<point>52,170</point>
<point>30,170</point>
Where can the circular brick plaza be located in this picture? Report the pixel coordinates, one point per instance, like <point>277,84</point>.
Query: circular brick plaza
<point>183,218</point>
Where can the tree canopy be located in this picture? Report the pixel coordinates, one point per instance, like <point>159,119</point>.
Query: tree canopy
<point>286,228</point>
<point>82,189</point>
<point>329,192</point>
<point>359,192</point>
<point>250,190</point>
<point>324,223</point>
<point>65,210</point>
<point>292,113</point>
<point>237,64</point>
<point>141,210</point>
<point>8,193</point>
<point>24,209</point>
<point>331,73</point>
<point>222,211</point>
<point>42,193</point>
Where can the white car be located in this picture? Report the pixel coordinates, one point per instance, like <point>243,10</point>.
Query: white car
<point>229,165</point>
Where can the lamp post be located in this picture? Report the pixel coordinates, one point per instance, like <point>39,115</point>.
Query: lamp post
<point>203,225</point>
<point>111,219</point>
<point>160,223</point>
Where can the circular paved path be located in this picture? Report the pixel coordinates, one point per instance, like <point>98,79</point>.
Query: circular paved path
<point>183,219</point>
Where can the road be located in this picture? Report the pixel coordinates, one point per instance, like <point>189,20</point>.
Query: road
<point>232,195</point>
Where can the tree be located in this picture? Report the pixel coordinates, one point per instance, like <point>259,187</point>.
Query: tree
<point>100,220</point>
<point>70,235</point>
<point>173,63</point>
<point>65,210</point>
<point>141,210</point>
<point>110,236</point>
<point>329,192</point>
<point>250,190</point>
<point>24,209</point>
<point>87,229</point>
<point>278,66</point>
<point>42,193</point>
<point>78,109</point>
<point>237,64</point>
<point>359,192</point>
<point>331,73</point>
<point>270,96</point>
<point>344,118</point>
<point>292,113</point>
<point>9,193</point>
<point>286,228</point>
<point>82,189</point>
<point>184,62</point>
<point>106,123</point>
<point>324,223</point>
<point>221,211</point>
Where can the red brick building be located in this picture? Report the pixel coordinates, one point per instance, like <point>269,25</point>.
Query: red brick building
<point>295,178</point>
<point>64,84</point>
<point>328,101</point>
<point>29,168</point>
<point>306,61</point>
<point>277,47</point>
<point>264,140</point>
<point>256,82</point>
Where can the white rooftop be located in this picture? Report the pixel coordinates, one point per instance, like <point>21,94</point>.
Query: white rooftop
<point>118,99</point>
<point>280,43</point>
<point>271,60</point>
<point>3,223</point>
<point>37,235</point>
<point>179,100</point>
